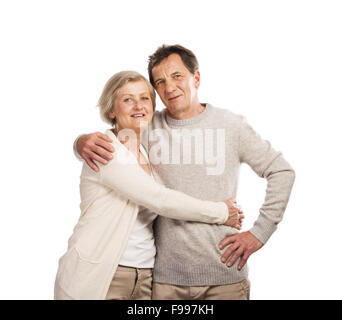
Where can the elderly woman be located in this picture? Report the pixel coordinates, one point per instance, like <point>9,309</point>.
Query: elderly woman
<point>111,251</point>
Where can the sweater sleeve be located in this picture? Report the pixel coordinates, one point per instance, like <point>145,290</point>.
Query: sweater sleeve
<point>268,164</point>
<point>75,150</point>
<point>124,175</point>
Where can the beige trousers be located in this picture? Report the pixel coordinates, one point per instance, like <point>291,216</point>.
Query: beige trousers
<point>235,291</point>
<point>130,284</point>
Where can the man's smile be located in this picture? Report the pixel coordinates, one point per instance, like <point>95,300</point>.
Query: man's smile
<point>174,98</point>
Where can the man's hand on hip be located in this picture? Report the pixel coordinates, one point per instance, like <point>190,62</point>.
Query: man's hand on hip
<point>95,146</point>
<point>241,245</point>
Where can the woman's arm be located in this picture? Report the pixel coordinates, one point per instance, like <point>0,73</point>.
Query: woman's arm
<point>125,176</point>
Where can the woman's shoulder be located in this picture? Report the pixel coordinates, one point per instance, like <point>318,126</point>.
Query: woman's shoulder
<point>112,136</point>
<point>121,154</point>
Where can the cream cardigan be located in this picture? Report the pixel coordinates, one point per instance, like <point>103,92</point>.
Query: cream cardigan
<point>110,202</point>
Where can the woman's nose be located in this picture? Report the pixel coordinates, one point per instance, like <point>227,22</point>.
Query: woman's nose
<point>138,105</point>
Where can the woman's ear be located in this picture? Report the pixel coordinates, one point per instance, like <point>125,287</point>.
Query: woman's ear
<point>112,115</point>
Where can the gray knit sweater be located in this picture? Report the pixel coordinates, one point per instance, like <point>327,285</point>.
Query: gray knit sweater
<point>201,157</point>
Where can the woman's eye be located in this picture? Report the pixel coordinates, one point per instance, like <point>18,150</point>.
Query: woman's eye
<point>145,98</point>
<point>127,100</point>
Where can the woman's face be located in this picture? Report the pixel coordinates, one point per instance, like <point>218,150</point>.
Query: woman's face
<point>133,108</point>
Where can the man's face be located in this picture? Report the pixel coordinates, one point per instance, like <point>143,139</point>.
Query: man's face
<point>176,86</point>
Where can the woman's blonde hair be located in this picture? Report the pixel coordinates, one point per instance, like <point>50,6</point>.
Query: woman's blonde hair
<point>110,90</point>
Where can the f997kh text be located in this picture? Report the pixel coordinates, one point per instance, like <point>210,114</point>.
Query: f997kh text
<point>192,309</point>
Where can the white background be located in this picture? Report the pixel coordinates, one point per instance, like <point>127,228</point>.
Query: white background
<point>276,62</point>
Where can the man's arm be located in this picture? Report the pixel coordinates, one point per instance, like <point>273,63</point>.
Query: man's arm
<point>271,165</point>
<point>93,147</point>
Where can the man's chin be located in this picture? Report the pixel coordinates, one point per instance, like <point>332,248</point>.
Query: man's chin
<point>175,111</point>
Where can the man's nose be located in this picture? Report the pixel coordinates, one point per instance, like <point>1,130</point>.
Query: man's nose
<point>170,87</point>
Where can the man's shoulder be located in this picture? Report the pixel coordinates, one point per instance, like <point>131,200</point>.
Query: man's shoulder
<point>225,117</point>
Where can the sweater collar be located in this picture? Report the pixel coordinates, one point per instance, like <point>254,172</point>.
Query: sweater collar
<point>178,123</point>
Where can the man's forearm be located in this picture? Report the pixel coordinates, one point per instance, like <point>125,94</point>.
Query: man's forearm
<point>280,178</point>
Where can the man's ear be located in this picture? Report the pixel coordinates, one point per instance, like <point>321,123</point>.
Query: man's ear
<point>197,78</point>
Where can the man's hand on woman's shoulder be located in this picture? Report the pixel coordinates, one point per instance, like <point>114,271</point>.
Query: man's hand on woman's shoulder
<point>95,146</point>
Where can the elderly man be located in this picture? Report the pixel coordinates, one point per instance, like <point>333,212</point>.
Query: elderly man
<point>189,262</point>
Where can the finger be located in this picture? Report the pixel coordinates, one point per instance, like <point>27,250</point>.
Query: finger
<point>236,209</point>
<point>95,157</point>
<point>102,143</point>
<point>103,136</point>
<point>238,253</point>
<point>237,225</point>
<point>233,209</point>
<point>233,214</point>
<point>226,241</point>
<point>91,164</point>
<point>232,202</point>
<point>229,251</point>
<point>243,260</point>
<point>102,153</point>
